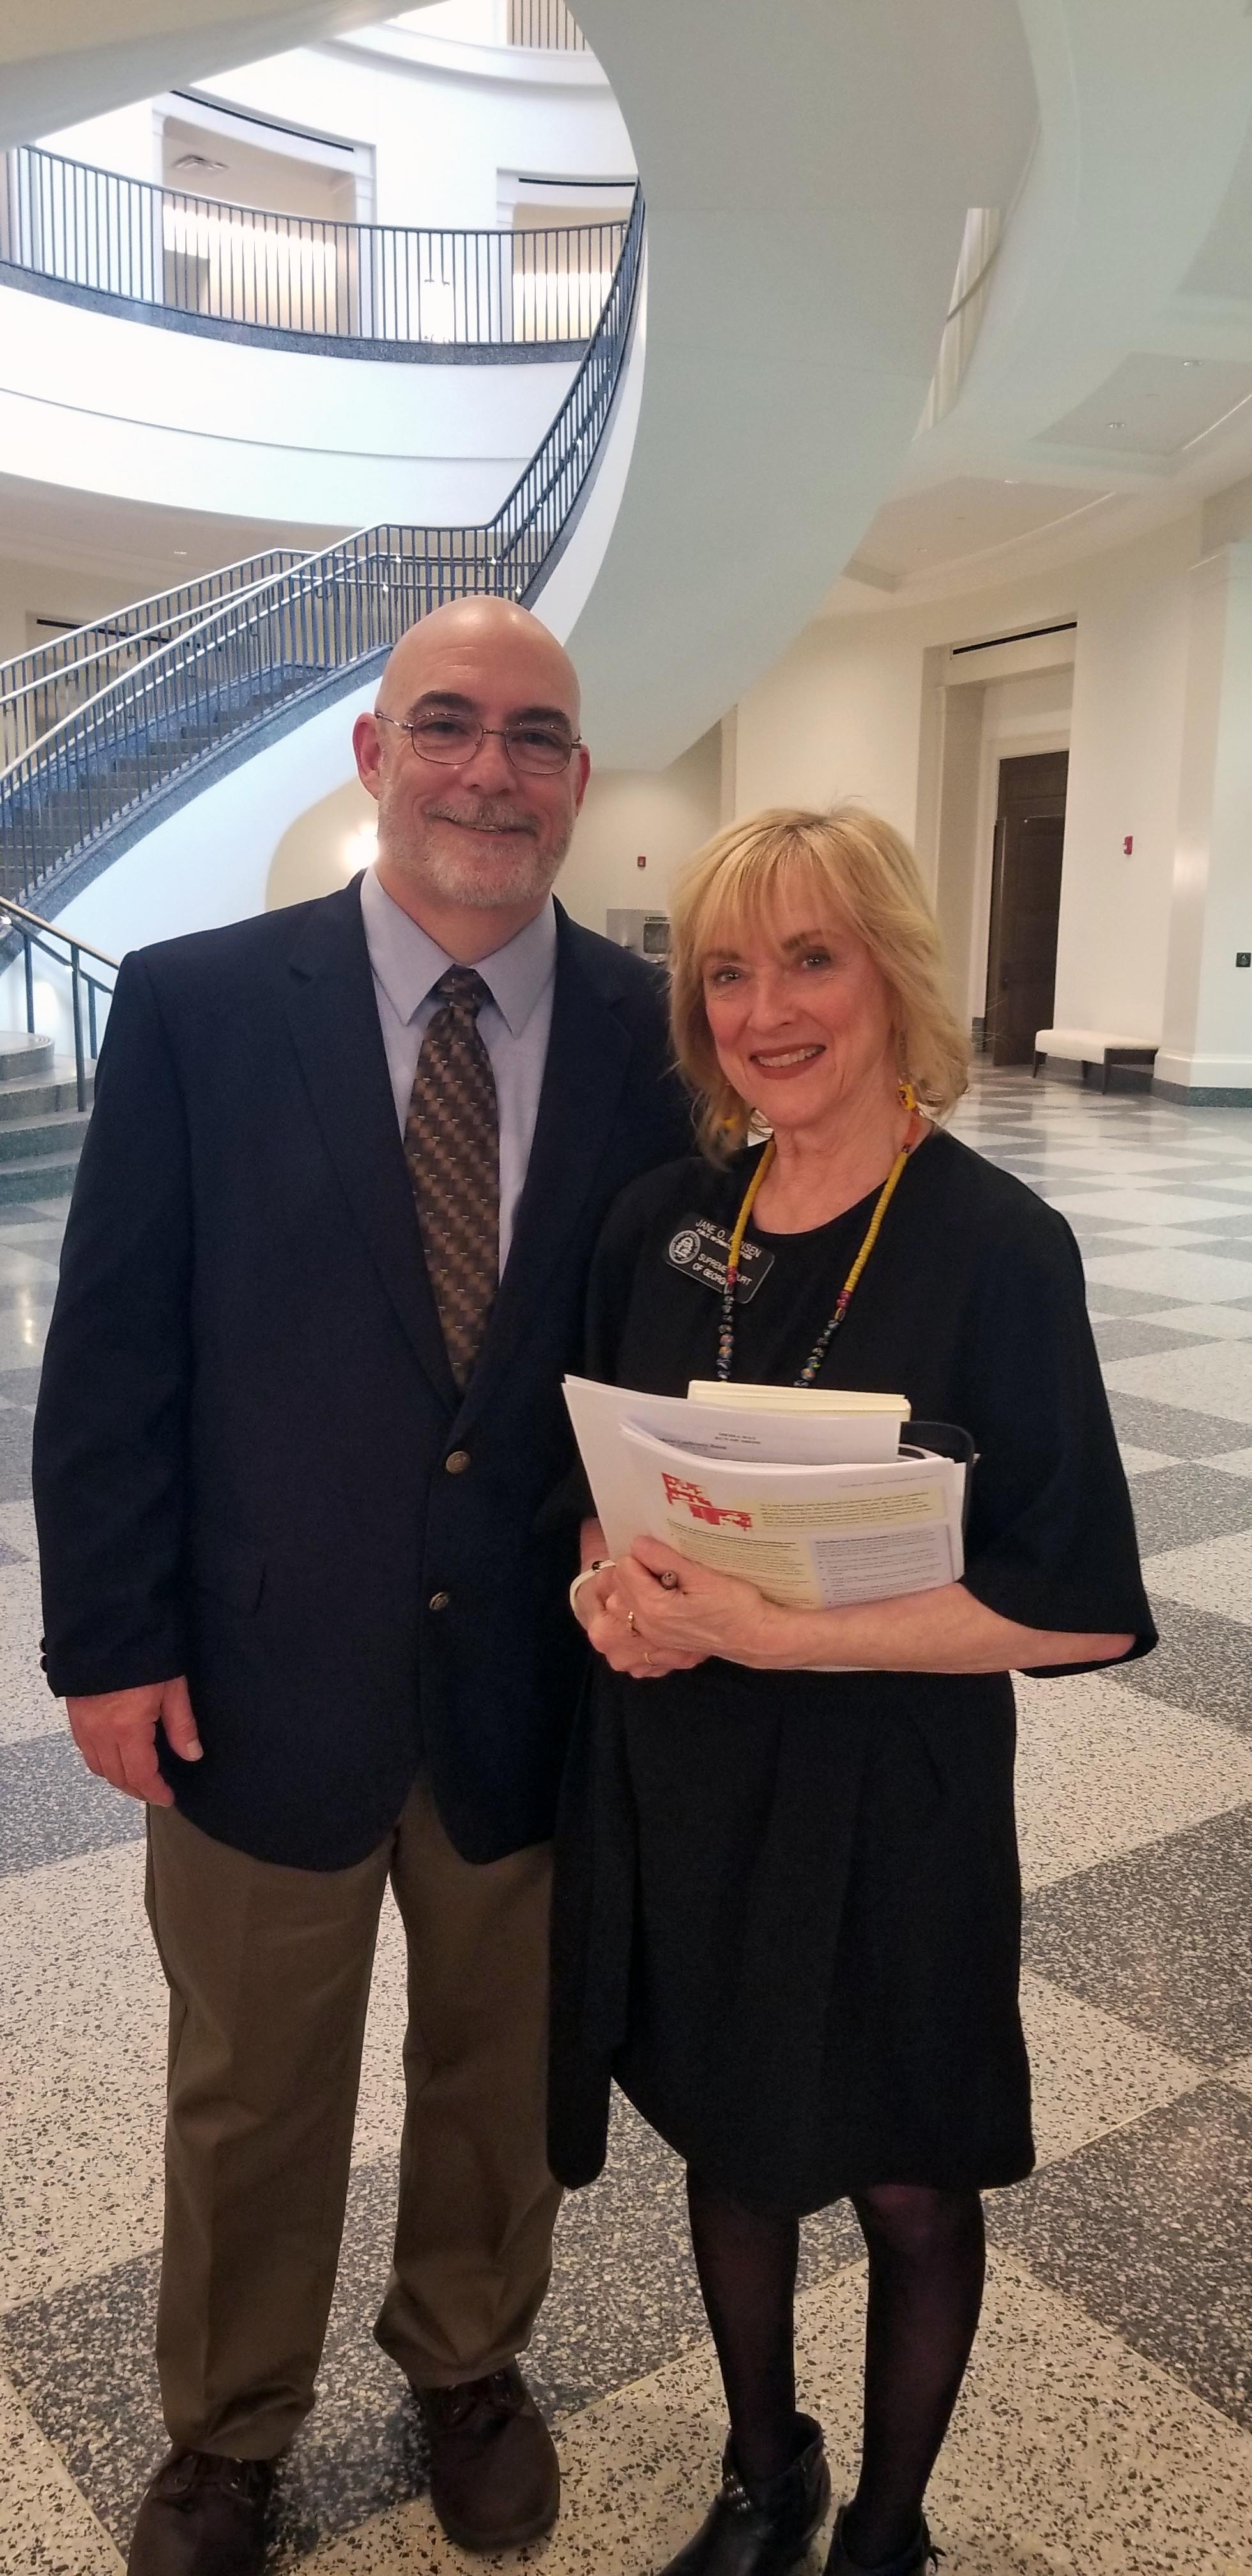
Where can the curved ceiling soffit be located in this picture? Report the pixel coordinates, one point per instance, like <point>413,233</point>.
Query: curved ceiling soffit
<point>1143,113</point>
<point>62,60</point>
<point>807,171</point>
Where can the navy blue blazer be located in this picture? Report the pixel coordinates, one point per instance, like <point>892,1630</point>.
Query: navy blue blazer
<point>248,1445</point>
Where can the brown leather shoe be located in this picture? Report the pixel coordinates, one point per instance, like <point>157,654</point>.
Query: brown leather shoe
<point>202,2516</point>
<point>494,2476</point>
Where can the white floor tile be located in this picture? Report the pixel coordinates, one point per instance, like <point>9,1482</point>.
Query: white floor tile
<point>1215,1575</point>
<point>1233,1462</point>
<point>1090,2073</point>
<point>1140,1207</point>
<point>1064,2453</point>
<point>1204,1276</point>
<point>1140,1462</point>
<point>1212,1377</point>
<point>1222,1323</point>
<point>1103,1769</point>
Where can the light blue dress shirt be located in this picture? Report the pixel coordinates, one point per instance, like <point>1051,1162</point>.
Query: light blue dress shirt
<point>515,1024</point>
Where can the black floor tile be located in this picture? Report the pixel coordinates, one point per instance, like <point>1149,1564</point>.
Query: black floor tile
<point>1148,2231</point>
<point>1133,1337</point>
<point>1203,1662</point>
<point>1178,1506</point>
<point>14,1456</point>
<point>1173,1428</point>
<point>1159,1937</point>
<point>53,1808</point>
<point>623,2299</point>
<point>1130,1302</point>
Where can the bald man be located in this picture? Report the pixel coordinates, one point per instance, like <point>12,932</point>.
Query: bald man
<point>299,1464</point>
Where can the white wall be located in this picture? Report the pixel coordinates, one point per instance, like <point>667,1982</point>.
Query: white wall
<point>662,815</point>
<point>841,713</point>
<point>442,119</point>
<point>51,590</point>
<point>125,408</point>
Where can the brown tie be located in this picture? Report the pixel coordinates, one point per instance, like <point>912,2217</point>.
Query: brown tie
<point>452,1148</point>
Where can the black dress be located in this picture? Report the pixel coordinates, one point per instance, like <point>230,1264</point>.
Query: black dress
<point>788,1904</point>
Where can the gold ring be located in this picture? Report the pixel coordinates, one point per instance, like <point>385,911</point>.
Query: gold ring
<point>630,1622</point>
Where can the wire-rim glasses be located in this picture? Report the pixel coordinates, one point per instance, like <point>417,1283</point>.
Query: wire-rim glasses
<point>451,739</point>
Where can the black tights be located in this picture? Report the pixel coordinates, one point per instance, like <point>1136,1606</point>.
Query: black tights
<point>926,2264</point>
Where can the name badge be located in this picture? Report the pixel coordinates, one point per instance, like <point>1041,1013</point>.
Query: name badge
<point>700,1250</point>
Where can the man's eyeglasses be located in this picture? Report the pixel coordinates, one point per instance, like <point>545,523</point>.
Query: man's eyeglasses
<point>537,750</point>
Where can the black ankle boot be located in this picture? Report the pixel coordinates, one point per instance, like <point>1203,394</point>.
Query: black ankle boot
<point>761,2530</point>
<point>913,2561</point>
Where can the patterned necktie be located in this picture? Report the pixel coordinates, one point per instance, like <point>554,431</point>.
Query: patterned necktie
<point>452,1148</point>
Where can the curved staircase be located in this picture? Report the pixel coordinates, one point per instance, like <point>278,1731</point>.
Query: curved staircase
<point>41,1124</point>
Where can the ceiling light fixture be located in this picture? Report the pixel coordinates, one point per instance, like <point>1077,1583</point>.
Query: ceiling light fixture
<point>1115,424</point>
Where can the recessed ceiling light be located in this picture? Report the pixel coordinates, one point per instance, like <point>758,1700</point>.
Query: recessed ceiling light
<point>1192,362</point>
<point>180,553</point>
<point>1115,424</point>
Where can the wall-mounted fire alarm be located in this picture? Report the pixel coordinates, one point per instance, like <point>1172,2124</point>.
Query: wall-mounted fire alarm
<point>642,860</point>
<point>1128,845</point>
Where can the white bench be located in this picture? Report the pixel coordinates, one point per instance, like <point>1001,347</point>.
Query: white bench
<point>1093,1046</point>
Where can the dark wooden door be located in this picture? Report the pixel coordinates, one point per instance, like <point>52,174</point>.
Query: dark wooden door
<point>1025,904</point>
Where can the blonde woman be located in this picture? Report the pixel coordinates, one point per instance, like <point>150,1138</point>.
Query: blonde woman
<point>788,1899</point>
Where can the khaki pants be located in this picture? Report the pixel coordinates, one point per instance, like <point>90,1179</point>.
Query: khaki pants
<point>269,1975</point>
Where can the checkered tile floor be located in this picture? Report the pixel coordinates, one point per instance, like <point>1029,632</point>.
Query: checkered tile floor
<point>1106,2428</point>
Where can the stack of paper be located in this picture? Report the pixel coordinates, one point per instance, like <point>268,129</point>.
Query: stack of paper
<point>801,1491</point>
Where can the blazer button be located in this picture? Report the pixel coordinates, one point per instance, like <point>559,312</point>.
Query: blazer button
<point>456,1462</point>
<point>440,1600</point>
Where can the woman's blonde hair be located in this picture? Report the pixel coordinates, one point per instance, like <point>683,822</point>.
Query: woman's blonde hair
<point>860,870</point>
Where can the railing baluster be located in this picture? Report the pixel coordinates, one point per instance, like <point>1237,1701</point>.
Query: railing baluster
<point>290,273</point>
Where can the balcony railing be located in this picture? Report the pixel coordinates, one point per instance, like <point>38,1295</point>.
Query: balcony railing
<point>308,629</point>
<point>547,24</point>
<point>197,262</point>
<point>40,687</point>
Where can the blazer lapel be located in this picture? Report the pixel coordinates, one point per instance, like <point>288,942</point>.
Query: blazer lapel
<point>588,1053</point>
<point>333,1018</point>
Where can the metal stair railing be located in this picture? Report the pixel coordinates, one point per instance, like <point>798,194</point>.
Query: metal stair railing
<point>546,24</point>
<point>234,669</point>
<point>40,686</point>
<point>97,235</point>
<point>34,933</point>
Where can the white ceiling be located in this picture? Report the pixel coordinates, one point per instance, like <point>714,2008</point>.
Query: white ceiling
<point>960,519</point>
<point>136,544</point>
<point>1155,406</point>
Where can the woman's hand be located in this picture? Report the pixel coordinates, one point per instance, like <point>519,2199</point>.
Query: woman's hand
<point>686,1611</point>
<point>607,1625</point>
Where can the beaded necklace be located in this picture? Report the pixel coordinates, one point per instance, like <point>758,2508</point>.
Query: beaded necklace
<point>726,1334</point>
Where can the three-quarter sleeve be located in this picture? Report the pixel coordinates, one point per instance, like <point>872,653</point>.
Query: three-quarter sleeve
<point>1051,1535</point>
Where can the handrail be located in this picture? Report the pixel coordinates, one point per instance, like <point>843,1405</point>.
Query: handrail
<point>36,933</point>
<point>251,656</point>
<point>217,266</point>
<point>35,921</point>
<point>46,681</point>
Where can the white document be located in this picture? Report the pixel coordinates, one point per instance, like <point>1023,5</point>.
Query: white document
<point>810,1529</point>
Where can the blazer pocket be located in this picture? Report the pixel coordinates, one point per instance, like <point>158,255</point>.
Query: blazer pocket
<point>227,1568</point>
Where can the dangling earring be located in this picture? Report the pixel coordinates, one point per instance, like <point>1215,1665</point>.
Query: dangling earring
<point>908,1097</point>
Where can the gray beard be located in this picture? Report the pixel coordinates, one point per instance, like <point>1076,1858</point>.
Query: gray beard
<point>524,877</point>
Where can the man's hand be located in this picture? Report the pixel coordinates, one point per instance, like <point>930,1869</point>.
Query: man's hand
<point>115,1732</point>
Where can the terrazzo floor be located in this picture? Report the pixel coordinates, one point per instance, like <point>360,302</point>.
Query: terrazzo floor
<point>1106,2427</point>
